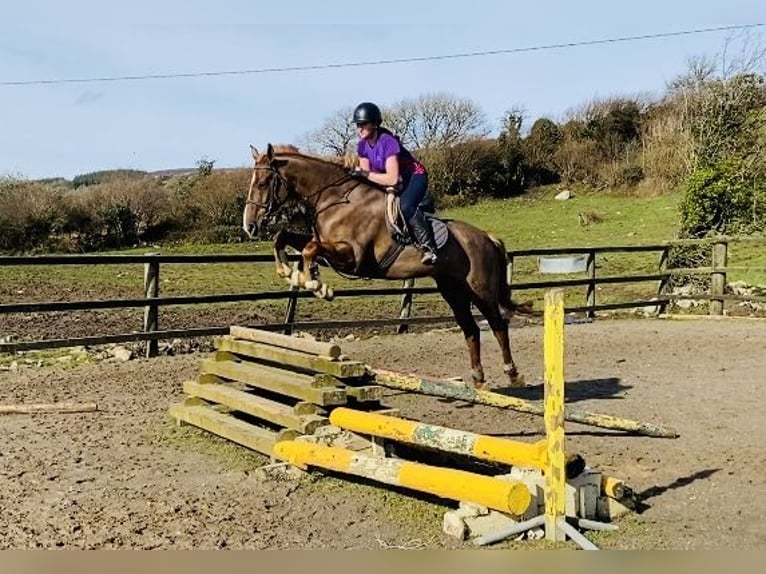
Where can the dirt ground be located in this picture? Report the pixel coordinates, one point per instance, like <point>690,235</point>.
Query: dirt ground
<point>126,476</point>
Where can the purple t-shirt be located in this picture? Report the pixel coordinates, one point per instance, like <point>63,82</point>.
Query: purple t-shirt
<point>386,146</point>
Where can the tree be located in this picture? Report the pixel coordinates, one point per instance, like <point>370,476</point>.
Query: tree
<point>723,111</point>
<point>509,144</point>
<point>335,137</point>
<point>540,148</point>
<point>434,120</point>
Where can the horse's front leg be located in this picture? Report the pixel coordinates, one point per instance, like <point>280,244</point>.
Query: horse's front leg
<point>282,239</point>
<point>341,253</point>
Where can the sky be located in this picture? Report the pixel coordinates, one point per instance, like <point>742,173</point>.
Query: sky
<point>70,128</point>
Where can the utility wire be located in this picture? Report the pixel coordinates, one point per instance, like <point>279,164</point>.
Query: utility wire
<point>378,62</point>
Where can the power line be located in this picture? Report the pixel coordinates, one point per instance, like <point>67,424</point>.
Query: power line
<point>379,62</point>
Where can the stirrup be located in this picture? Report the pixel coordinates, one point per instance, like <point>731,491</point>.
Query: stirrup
<point>428,258</point>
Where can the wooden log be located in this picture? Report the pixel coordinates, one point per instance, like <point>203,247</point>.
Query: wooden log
<point>331,350</point>
<point>365,393</point>
<point>64,407</point>
<point>263,408</point>
<point>289,357</point>
<point>504,495</point>
<point>469,394</point>
<point>274,380</point>
<point>230,428</point>
<point>515,453</point>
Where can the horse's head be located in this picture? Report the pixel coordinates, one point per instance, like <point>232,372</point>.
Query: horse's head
<point>268,191</point>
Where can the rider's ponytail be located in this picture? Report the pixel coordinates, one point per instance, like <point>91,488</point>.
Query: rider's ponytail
<point>382,130</point>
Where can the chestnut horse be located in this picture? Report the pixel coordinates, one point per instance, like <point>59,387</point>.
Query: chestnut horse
<point>350,234</point>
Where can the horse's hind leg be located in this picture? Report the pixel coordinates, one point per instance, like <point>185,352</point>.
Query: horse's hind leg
<point>500,327</point>
<point>458,298</point>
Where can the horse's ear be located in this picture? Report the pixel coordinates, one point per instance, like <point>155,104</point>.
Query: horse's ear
<point>254,152</point>
<point>270,152</point>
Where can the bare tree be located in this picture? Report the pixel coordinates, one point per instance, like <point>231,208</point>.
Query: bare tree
<point>335,137</point>
<point>434,120</point>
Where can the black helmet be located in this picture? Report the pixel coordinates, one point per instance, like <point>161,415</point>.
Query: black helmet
<point>367,112</point>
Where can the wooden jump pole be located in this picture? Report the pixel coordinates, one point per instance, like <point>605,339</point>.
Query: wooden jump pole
<point>65,407</point>
<point>331,350</point>
<point>446,389</point>
<point>508,496</point>
<point>515,453</point>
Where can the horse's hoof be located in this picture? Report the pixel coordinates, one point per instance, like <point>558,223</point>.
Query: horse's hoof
<point>325,292</point>
<point>517,381</point>
<point>480,385</point>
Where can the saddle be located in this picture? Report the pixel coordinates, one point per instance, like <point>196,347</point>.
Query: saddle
<point>398,226</point>
<point>400,231</point>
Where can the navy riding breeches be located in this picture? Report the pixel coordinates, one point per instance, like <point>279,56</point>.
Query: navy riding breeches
<point>413,194</point>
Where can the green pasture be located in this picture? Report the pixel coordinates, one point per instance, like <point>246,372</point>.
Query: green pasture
<point>535,220</point>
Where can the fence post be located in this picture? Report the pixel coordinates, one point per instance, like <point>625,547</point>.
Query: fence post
<point>509,275</point>
<point>151,312</point>
<point>718,276</point>
<point>591,294</point>
<point>662,288</point>
<point>292,303</point>
<point>405,310</point>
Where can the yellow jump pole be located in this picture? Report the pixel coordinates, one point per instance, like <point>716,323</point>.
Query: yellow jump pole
<point>514,453</point>
<point>553,354</point>
<point>437,388</point>
<point>498,494</point>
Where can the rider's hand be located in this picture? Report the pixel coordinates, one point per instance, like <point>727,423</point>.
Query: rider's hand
<point>358,173</point>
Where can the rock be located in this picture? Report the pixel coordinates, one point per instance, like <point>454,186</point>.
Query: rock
<point>350,337</point>
<point>454,525</point>
<point>122,354</point>
<point>564,195</point>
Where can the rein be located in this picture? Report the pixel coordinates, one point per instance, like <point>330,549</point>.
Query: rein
<point>274,204</point>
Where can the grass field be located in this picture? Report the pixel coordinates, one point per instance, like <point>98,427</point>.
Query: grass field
<point>535,220</point>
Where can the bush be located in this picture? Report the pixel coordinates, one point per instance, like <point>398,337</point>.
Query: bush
<point>464,173</point>
<point>725,199</point>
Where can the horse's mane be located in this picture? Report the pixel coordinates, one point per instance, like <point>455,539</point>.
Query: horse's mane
<point>345,162</point>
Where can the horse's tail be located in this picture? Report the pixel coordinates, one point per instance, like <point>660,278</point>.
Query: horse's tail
<point>508,307</point>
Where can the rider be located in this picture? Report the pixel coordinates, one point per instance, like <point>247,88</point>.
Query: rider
<point>385,161</point>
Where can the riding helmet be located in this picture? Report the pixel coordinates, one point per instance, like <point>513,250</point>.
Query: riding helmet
<point>368,112</point>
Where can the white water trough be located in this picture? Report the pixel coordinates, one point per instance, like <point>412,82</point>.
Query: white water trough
<point>553,265</point>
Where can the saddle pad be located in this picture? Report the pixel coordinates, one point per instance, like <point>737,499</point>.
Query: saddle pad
<point>441,233</point>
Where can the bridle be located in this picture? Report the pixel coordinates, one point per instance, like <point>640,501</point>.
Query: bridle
<point>274,204</point>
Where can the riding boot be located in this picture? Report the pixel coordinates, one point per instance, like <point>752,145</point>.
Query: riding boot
<point>421,231</point>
